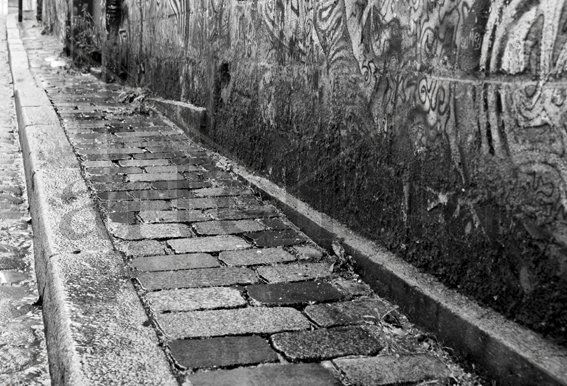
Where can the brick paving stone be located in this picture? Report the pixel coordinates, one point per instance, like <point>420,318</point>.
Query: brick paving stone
<point>326,343</point>
<point>112,150</point>
<point>274,375</point>
<point>106,178</point>
<point>240,321</point>
<point>114,196</point>
<point>307,252</point>
<point>150,231</point>
<point>222,191</point>
<point>118,187</point>
<point>204,203</point>
<point>228,227</point>
<point>145,195</point>
<point>97,164</point>
<point>143,163</point>
<point>346,313</point>
<point>175,262</point>
<point>208,244</point>
<point>185,184</point>
<point>168,216</point>
<point>153,155</point>
<point>255,257</point>
<point>275,223</point>
<point>243,213</point>
<point>142,248</point>
<point>173,169</point>
<point>351,288</point>
<point>390,369</point>
<point>294,272</point>
<point>147,177</point>
<point>195,299</point>
<point>122,217</point>
<point>276,238</point>
<point>206,277</point>
<point>106,157</point>
<point>222,352</point>
<point>136,206</point>
<point>113,170</point>
<point>279,294</point>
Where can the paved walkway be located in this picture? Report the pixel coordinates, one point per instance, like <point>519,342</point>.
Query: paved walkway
<point>23,358</point>
<point>236,293</point>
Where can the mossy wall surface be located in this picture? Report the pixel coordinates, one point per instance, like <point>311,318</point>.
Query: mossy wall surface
<point>437,128</point>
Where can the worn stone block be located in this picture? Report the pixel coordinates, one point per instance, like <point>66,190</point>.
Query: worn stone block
<point>390,370</point>
<point>243,213</point>
<point>307,252</point>
<point>142,248</point>
<point>207,277</point>
<point>175,262</point>
<point>147,177</point>
<point>273,375</point>
<point>228,227</point>
<point>223,191</point>
<point>326,344</point>
<point>136,206</point>
<point>118,187</point>
<point>159,194</point>
<point>294,272</point>
<point>122,217</point>
<point>150,231</point>
<point>173,169</point>
<point>293,293</point>
<point>255,257</point>
<point>276,238</point>
<point>98,164</point>
<point>143,163</point>
<point>204,203</point>
<point>208,244</point>
<point>241,321</point>
<point>184,184</point>
<point>222,351</point>
<point>195,299</point>
<point>345,313</point>
<point>173,216</point>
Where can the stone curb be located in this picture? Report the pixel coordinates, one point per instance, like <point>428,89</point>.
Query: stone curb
<point>96,327</point>
<point>504,350</point>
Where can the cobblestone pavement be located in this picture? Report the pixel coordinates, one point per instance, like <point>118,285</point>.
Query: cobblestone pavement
<point>23,358</point>
<point>236,293</point>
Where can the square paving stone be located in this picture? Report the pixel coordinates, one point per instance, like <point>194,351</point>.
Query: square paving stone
<point>228,227</point>
<point>175,262</point>
<point>142,248</point>
<point>150,231</point>
<point>294,272</point>
<point>390,370</point>
<point>276,238</point>
<point>293,293</point>
<point>273,375</point>
<point>206,277</point>
<point>240,321</point>
<point>195,299</point>
<point>208,244</point>
<point>169,216</point>
<point>345,313</point>
<point>222,352</point>
<point>326,344</point>
<point>255,257</point>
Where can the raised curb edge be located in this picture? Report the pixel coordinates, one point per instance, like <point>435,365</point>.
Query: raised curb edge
<point>94,321</point>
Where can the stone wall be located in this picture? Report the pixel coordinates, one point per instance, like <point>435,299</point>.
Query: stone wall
<point>437,128</point>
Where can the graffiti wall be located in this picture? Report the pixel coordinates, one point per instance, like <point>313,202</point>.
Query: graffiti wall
<point>437,127</point>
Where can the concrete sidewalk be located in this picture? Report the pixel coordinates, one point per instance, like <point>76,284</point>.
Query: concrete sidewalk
<point>232,291</point>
